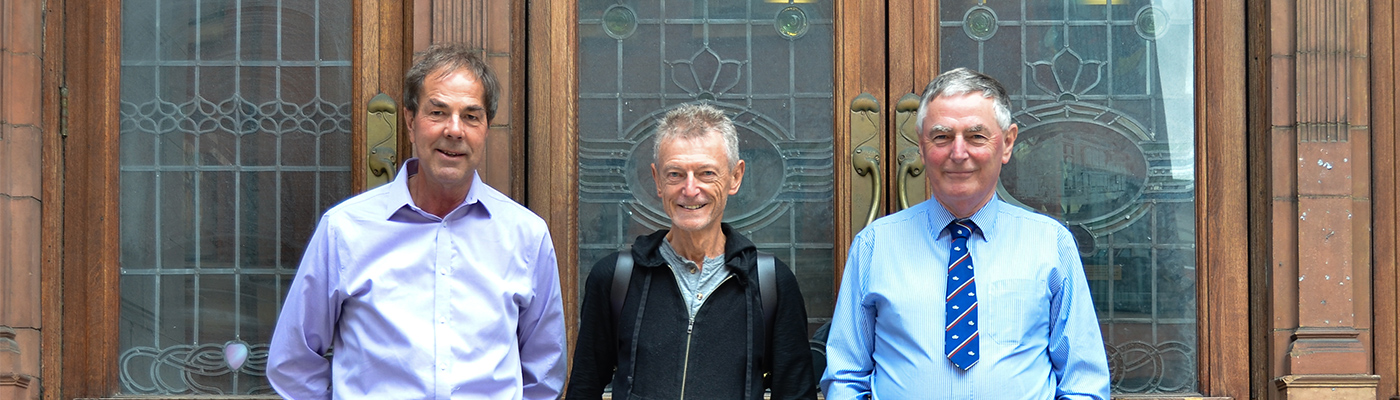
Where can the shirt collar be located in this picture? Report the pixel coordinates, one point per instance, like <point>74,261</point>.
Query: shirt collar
<point>985,218</point>
<point>401,201</point>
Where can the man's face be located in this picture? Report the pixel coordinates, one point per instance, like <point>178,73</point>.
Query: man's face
<point>963,150</point>
<point>449,130</point>
<point>694,181</point>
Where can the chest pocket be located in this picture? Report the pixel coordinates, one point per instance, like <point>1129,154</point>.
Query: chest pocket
<point>1012,308</point>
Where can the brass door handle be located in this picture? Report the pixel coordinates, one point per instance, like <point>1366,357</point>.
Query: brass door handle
<point>866,161</point>
<point>382,140</point>
<point>865,158</point>
<point>911,164</point>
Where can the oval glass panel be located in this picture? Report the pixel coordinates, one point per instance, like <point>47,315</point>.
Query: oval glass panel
<point>1103,94</point>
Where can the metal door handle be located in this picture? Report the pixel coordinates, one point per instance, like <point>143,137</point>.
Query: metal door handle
<point>911,164</point>
<point>865,159</point>
<point>382,140</point>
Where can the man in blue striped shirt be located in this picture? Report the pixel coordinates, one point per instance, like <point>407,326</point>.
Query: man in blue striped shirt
<point>913,320</point>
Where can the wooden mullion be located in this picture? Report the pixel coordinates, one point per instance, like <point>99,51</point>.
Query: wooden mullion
<point>551,138</point>
<point>91,242</point>
<point>1222,199</point>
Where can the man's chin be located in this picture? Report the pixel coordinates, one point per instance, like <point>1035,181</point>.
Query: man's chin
<point>450,174</point>
<point>686,225</point>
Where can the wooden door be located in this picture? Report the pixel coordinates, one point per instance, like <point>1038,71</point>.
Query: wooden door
<point>602,73</point>
<point>213,135</point>
<point>786,74</point>
<point>597,82</point>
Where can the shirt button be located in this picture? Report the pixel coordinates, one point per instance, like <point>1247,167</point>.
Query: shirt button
<point>443,271</point>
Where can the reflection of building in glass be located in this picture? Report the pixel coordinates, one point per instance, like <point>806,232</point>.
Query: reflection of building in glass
<point>1075,171</point>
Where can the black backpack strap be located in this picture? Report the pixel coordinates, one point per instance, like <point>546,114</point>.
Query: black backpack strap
<point>622,276</point>
<point>768,294</point>
<point>768,290</point>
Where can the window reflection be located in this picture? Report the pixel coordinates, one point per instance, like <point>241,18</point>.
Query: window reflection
<point>1102,92</point>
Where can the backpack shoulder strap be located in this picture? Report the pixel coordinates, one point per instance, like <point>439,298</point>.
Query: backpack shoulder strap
<point>767,289</point>
<point>622,277</point>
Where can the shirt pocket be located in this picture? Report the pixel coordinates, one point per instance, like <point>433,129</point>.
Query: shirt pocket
<point>1013,309</point>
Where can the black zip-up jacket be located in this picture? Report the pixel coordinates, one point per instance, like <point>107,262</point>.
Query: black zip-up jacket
<point>716,357</point>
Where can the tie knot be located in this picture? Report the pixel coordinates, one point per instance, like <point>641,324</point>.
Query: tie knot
<point>961,228</point>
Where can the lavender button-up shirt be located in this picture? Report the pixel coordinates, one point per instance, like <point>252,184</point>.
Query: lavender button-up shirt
<point>420,307</point>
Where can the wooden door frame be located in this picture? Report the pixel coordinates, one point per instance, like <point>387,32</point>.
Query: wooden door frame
<point>1385,119</point>
<point>81,243</point>
<point>79,311</point>
<point>1222,245</point>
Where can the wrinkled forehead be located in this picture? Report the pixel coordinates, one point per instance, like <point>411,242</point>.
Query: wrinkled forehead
<point>693,147</point>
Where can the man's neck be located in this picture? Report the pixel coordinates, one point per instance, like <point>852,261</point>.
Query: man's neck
<point>696,246</point>
<point>966,209</point>
<point>435,199</point>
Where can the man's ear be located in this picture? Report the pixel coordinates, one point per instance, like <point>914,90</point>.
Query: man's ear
<point>408,118</point>
<point>656,179</point>
<point>1010,138</point>
<point>738,178</point>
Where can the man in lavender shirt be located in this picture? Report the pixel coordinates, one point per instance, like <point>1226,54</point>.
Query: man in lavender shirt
<point>434,285</point>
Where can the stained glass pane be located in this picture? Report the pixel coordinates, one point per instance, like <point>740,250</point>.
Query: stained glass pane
<point>1103,93</point>
<point>766,64</point>
<point>235,132</point>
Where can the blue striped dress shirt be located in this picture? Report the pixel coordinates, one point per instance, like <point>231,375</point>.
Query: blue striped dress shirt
<point>1039,334</point>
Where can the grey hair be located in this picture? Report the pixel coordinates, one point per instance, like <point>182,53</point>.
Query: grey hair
<point>694,121</point>
<point>962,81</point>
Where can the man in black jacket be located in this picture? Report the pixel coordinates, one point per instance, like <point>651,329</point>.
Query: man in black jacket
<point>692,324</point>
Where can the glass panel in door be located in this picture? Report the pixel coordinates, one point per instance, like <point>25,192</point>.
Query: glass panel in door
<point>235,137</point>
<point>768,65</point>
<point>1103,92</point>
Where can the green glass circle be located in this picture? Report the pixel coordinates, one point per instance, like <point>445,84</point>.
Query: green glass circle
<point>791,22</point>
<point>980,23</point>
<point>619,21</point>
<point>1151,22</point>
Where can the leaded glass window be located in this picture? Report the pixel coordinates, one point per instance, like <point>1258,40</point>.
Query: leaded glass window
<point>768,65</point>
<point>1103,92</point>
<point>235,137</point>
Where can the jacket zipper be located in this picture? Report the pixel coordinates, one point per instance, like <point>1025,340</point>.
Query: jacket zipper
<point>689,334</point>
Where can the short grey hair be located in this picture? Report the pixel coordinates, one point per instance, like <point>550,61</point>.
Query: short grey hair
<point>962,81</point>
<point>694,121</point>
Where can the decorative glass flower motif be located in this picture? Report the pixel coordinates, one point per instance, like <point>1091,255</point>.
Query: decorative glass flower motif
<point>1067,75</point>
<point>705,75</point>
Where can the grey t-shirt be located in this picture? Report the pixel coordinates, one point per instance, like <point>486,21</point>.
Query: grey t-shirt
<point>695,283</point>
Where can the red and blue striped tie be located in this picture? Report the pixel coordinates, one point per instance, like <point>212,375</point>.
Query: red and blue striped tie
<point>960,333</point>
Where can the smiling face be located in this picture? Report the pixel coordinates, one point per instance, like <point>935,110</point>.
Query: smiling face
<point>963,149</point>
<point>694,181</point>
<point>449,131</point>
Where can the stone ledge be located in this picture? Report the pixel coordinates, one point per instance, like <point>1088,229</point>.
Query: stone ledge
<point>1327,387</point>
<point>1327,381</point>
<point>12,379</point>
